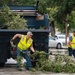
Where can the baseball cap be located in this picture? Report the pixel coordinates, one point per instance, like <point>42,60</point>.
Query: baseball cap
<point>29,32</point>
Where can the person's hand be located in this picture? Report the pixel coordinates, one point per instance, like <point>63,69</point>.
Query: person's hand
<point>33,52</point>
<point>73,48</point>
<point>14,46</point>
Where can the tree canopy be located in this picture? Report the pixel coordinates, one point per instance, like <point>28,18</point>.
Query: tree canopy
<point>63,8</point>
<point>11,20</point>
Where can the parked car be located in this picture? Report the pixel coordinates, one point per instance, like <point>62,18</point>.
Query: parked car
<point>55,43</point>
<point>62,38</point>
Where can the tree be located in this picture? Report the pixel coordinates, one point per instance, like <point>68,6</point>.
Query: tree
<point>71,20</point>
<point>17,2</point>
<point>52,12</point>
<point>65,9</point>
<point>11,20</point>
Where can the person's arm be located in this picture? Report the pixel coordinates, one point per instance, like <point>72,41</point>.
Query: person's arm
<point>70,39</point>
<point>32,48</point>
<point>70,43</point>
<point>14,37</point>
<point>17,35</point>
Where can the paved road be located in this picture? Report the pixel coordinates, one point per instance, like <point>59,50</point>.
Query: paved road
<point>13,71</point>
<point>61,51</point>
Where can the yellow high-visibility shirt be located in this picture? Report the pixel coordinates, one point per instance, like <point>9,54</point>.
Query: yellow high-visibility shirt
<point>72,42</point>
<point>23,45</point>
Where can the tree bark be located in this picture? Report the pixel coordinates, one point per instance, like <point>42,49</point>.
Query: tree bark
<point>52,28</point>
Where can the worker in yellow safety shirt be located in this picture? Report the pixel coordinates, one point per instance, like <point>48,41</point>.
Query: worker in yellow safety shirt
<point>71,45</point>
<point>22,46</point>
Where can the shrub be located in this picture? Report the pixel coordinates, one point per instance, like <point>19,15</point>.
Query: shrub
<point>11,20</point>
<point>59,64</point>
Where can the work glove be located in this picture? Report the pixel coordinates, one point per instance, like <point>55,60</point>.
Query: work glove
<point>14,46</point>
<point>11,41</point>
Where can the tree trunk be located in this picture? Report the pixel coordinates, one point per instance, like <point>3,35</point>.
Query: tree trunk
<point>66,31</point>
<point>52,28</point>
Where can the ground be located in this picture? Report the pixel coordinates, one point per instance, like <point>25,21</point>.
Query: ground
<point>12,70</point>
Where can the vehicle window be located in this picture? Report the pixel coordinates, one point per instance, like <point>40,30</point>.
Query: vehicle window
<point>51,38</point>
<point>56,37</point>
<point>61,37</point>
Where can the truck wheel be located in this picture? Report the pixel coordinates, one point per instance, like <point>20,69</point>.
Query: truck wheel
<point>58,46</point>
<point>2,65</point>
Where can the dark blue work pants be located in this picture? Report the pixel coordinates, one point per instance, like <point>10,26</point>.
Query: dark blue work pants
<point>71,51</point>
<point>28,60</point>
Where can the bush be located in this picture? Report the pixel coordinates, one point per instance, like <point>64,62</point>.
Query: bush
<point>59,64</point>
<point>11,20</point>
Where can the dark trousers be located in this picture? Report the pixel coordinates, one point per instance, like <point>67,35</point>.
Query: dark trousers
<point>28,60</point>
<point>71,52</point>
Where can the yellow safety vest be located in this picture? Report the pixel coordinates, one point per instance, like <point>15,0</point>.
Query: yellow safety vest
<point>73,41</point>
<point>23,45</point>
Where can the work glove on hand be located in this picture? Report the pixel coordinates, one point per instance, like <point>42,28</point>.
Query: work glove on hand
<point>11,41</point>
<point>14,46</point>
